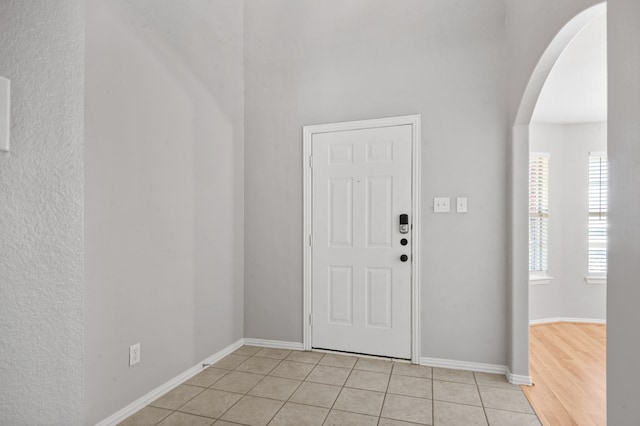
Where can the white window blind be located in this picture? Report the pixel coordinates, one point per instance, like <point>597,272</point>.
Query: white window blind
<point>598,186</point>
<point>538,212</point>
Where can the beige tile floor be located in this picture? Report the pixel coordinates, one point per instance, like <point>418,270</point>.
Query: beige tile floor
<point>260,386</point>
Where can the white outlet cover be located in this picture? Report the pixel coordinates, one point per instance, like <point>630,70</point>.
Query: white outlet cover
<point>441,205</point>
<point>134,354</point>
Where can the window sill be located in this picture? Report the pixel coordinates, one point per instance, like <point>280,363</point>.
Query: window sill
<point>596,279</point>
<point>539,279</point>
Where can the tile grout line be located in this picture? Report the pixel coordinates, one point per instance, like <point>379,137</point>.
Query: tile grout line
<point>511,411</point>
<point>462,403</point>
<point>243,395</point>
<point>338,396</point>
<point>175,410</point>
<point>386,392</point>
<point>301,382</point>
<point>345,386</point>
<point>267,375</point>
<point>506,409</point>
<point>294,391</point>
<point>433,399</point>
<point>334,401</point>
<point>484,409</point>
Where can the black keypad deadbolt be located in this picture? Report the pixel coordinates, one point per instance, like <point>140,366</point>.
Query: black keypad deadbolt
<point>404,224</point>
<point>404,242</point>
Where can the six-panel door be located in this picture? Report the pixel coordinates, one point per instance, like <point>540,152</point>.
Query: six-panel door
<point>361,288</point>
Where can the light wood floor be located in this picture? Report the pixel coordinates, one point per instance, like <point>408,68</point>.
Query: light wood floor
<point>567,364</point>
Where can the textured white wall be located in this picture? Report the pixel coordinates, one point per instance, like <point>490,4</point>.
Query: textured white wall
<point>568,295</point>
<point>310,62</point>
<point>41,204</point>
<point>164,191</point>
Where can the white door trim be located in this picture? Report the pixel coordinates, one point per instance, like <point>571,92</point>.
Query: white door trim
<point>308,132</point>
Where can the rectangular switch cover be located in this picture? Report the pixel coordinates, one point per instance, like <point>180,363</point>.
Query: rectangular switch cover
<point>461,204</point>
<point>441,205</point>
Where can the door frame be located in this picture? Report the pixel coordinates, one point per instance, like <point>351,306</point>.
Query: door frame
<point>308,131</point>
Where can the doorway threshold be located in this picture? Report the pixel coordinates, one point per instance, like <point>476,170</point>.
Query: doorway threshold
<point>361,355</point>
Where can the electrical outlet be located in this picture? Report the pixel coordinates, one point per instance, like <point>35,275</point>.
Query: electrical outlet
<point>134,354</point>
<point>441,205</point>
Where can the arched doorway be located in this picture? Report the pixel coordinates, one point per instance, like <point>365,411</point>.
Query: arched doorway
<point>518,194</point>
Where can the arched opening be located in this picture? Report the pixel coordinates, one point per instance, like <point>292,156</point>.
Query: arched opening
<point>568,185</point>
<point>519,190</point>
<point>549,59</point>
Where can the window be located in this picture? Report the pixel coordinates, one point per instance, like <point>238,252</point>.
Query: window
<point>538,213</point>
<point>598,185</point>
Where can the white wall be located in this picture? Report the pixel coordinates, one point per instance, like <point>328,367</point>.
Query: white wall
<point>41,204</point>
<point>623,292</point>
<point>568,295</point>
<point>310,62</point>
<point>164,192</point>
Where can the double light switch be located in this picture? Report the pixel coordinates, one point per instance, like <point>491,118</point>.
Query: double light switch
<point>442,205</point>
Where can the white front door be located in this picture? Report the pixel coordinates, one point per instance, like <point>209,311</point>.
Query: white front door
<point>361,281</point>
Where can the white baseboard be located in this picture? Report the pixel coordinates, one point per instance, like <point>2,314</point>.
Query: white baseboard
<point>544,321</point>
<point>564,319</point>
<point>277,344</point>
<point>517,379</point>
<point>514,379</point>
<point>586,320</point>
<point>464,365</point>
<point>156,393</point>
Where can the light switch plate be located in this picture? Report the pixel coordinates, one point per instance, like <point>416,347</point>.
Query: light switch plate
<point>441,205</point>
<point>461,204</point>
